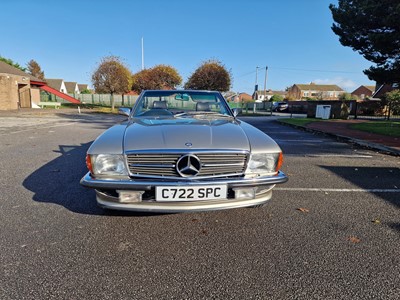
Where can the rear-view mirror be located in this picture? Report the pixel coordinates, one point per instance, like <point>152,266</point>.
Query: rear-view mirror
<point>182,97</point>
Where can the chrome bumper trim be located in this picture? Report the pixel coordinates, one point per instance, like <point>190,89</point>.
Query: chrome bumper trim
<point>108,202</point>
<point>145,185</point>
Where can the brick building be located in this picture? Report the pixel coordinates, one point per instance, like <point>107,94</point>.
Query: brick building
<point>364,91</point>
<point>17,88</point>
<point>315,91</point>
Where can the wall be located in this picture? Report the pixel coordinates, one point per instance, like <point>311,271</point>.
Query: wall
<point>35,95</point>
<point>9,96</point>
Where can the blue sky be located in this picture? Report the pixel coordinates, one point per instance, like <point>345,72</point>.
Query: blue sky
<point>292,37</point>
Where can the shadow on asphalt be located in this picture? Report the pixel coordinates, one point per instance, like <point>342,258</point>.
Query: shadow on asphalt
<point>372,178</point>
<point>57,182</point>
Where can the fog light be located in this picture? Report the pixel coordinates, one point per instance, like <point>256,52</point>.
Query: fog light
<point>243,194</point>
<point>130,196</point>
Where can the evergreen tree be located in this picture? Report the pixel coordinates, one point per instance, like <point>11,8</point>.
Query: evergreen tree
<point>371,28</point>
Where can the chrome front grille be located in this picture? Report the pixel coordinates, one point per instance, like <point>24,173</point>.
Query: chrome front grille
<point>213,164</point>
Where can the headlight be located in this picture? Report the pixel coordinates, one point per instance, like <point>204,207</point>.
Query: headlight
<point>264,163</point>
<point>108,164</point>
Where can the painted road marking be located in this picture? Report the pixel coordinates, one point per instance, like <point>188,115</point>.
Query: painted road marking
<point>338,190</point>
<point>299,141</point>
<point>340,155</point>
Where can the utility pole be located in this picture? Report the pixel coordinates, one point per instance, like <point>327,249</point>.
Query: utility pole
<point>265,84</point>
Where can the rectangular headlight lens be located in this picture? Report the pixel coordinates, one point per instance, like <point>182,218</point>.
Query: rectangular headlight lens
<point>108,164</point>
<point>263,163</point>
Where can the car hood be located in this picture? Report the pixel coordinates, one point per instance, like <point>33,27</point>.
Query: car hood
<point>185,133</point>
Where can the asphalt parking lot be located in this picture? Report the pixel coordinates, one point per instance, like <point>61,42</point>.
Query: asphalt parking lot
<point>331,232</point>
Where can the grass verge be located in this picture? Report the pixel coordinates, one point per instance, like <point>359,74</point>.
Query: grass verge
<point>92,107</point>
<point>389,128</point>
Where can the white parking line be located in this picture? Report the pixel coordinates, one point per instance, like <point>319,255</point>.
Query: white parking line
<point>340,155</point>
<point>299,141</point>
<point>339,190</point>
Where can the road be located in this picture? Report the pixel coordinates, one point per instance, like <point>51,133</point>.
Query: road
<point>331,232</point>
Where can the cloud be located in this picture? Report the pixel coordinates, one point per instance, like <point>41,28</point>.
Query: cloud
<point>344,83</point>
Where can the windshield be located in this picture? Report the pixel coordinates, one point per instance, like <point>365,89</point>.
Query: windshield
<point>180,104</point>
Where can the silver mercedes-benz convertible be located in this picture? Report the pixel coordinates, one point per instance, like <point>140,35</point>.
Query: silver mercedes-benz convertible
<point>182,151</point>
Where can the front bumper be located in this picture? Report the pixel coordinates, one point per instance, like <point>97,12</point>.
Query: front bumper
<point>111,201</point>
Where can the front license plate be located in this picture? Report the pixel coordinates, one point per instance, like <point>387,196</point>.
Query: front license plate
<point>192,193</point>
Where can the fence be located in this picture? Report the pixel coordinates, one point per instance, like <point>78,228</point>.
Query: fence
<point>373,110</point>
<point>252,107</point>
<point>95,99</point>
<point>362,110</point>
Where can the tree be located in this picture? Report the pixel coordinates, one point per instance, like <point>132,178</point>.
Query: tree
<point>12,63</point>
<point>112,77</point>
<point>346,97</point>
<point>35,70</point>
<point>211,75</point>
<point>86,91</point>
<point>156,78</point>
<point>371,28</point>
<point>276,98</point>
<point>393,100</point>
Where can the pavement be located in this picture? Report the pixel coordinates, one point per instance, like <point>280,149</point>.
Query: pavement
<point>342,130</point>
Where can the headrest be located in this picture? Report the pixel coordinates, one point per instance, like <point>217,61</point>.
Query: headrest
<point>202,106</point>
<point>160,104</point>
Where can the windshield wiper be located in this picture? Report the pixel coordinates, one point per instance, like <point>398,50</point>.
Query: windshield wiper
<point>200,113</point>
<point>181,114</point>
<point>213,113</point>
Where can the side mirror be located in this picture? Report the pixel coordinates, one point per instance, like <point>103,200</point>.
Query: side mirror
<point>236,111</point>
<point>124,111</point>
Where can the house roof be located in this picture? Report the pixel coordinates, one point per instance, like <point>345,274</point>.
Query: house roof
<point>271,92</point>
<point>244,94</point>
<point>319,87</point>
<point>362,88</point>
<point>370,87</point>
<point>70,86</point>
<point>385,88</point>
<point>82,87</point>
<point>8,69</point>
<point>55,83</point>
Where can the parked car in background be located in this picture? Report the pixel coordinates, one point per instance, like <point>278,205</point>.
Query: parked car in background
<point>182,151</point>
<point>280,106</point>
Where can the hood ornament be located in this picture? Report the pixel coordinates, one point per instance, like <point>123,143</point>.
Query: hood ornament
<point>188,165</point>
<point>188,144</point>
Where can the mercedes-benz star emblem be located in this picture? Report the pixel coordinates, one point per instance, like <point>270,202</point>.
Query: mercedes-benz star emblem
<point>188,165</point>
